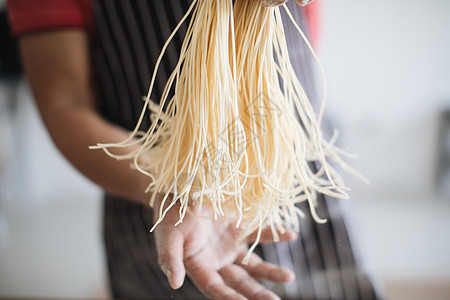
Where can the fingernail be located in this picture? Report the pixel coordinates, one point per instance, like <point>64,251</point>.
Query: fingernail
<point>168,274</point>
<point>304,2</point>
<point>286,276</point>
<point>172,282</point>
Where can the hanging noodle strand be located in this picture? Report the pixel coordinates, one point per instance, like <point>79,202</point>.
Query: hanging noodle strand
<point>239,134</point>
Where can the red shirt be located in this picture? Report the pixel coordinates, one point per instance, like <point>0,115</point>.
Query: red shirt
<point>28,16</point>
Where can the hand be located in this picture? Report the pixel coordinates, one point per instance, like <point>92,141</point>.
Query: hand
<point>273,3</point>
<point>207,251</point>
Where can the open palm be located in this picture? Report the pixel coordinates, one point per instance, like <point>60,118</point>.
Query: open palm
<point>207,251</point>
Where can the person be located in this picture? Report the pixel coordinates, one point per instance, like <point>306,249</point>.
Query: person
<point>89,63</point>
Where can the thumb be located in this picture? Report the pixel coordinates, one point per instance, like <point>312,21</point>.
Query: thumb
<point>170,259</point>
<point>304,2</point>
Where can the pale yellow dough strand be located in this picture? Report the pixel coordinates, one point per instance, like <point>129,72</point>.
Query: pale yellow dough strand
<point>230,138</point>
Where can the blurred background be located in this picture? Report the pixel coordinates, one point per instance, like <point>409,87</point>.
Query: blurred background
<point>388,71</point>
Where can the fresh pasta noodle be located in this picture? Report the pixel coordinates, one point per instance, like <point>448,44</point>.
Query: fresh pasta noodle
<point>239,135</point>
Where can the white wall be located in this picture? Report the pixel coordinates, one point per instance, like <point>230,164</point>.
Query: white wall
<point>388,65</point>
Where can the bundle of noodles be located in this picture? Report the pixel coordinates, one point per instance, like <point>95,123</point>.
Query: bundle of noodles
<point>239,134</point>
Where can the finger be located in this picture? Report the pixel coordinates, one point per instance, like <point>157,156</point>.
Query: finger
<point>260,269</point>
<point>267,236</point>
<point>170,259</point>
<point>304,2</point>
<point>238,279</point>
<point>210,282</point>
<point>272,3</point>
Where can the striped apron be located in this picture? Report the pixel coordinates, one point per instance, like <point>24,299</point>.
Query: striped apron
<point>131,34</point>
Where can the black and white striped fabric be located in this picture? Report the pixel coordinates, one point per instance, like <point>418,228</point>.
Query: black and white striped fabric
<point>131,34</point>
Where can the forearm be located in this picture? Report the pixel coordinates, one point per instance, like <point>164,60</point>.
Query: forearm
<point>74,130</point>
<point>58,68</point>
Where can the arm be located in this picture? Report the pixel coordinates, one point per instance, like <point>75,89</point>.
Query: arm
<point>58,69</point>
